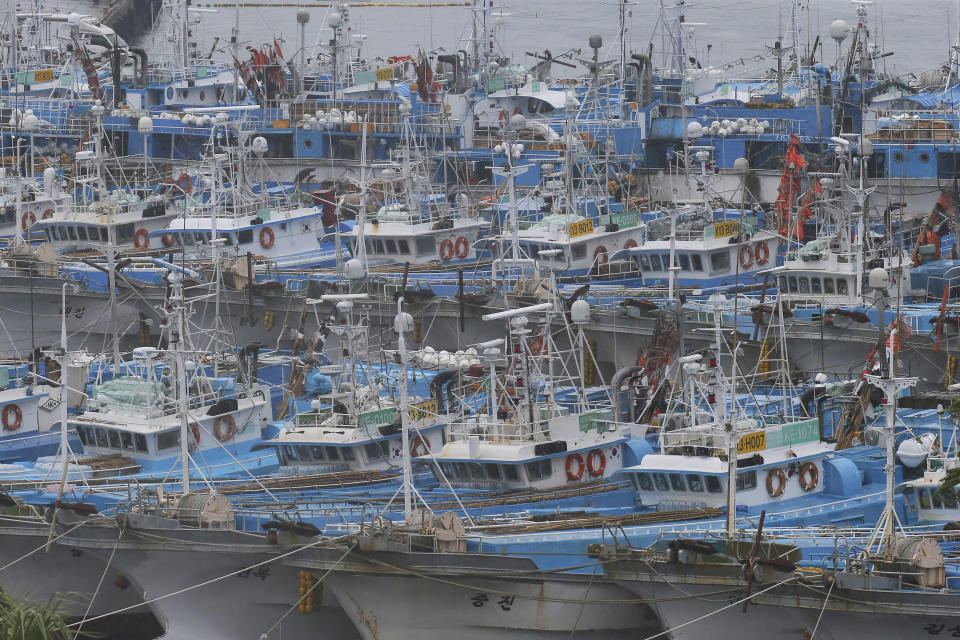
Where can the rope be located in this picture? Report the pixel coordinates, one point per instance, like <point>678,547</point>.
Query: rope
<point>732,604</point>
<point>316,584</point>
<point>100,584</point>
<point>824,608</point>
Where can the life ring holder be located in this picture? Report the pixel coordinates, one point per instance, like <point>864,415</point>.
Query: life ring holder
<point>776,482</point>
<point>231,428</point>
<point>572,475</point>
<point>596,468</point>
<point>809,476</point>
<point>12,424</point>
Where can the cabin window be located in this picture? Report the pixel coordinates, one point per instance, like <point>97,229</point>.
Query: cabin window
<point>684,262</point>
<point>539,469</point>
<point>124,233</point>
<point>333,454</point>
<point>141,442</point>
<point>660,480</point>
<point>655,263</point>
<point>426,246</point>
<point>815,285</point>
<point>579,250</point>
<point>697,262</point>
<point>842,286</point>
<point>460,471</point>
<point>291,453</point>
<point>694,483</point>
<point>114,439</point>
<point>476,471</point>
<point>81,233</point>
<point>924,498</point>
<point>793,284</point>
<point>72,231</point>
<point>493,471</point>
<point>372,451</point>
<point>720,261</point>
<point>677,483</point>
<point>783,283</point>
<point>245,236</point>
<point>804,285</point>
<point>828,285</point>
<point>168,440</point>
<point>949,499</point>
<point>937,503</point>
<point>402,247</point>
<point>666,261</point>
<point>713,485</point>
<point>643,482</point>
<point>644,263</point>
<point>303,452</point>
<point>101,437</point>
<point>391,245</point>
<point>747,480</point>
<point>378,246</point>
<point>187,239</point>
<point>317,452</point>
<point>510,473</point>
<point>347,453</point>
<point>82,434</point>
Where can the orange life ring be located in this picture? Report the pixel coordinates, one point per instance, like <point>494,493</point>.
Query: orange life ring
<point>141,239</point>
<point>630,244</point>
<point>781,482</point>
<point>600,256</point>
<point>196,437</point>
<point>571,475</point>
<point>446,250</point>
<point>12,424</point>
<point>184,183</point>
<point>230,431</point>
<point>266,237</point>
<point>762,252</point>
<point>809,469</point>
<point>596,469</point>
<point>169,240</point>
<point>517,111</point>
<point>746,256</point>
<point>419,447</point>
<point>462,247</point>
<point>536,345</point>
<point>47,214</point>
<point>29,219</point>
<point>503,118</point>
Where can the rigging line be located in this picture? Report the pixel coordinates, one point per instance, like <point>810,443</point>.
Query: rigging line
<point>43,546</point>
<point>106,568</point>
<point>202,584</point>
<point>732,604</point>
<point>309,591</point>
<point>824,608</point>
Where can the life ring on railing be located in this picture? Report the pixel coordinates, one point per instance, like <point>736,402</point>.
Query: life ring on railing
<point>578,459</point>
<point>775,491</point>
<point>12,424</point>
<point>231,427</point>
<point>29,219</point>
<point>462,247</point>
<point>446,250</point>
<point>419,447</point>
<point>141,239</point>
<point>196,437</point>
<point>517,111</point>
<point>47,214</point>
<point>596,468</point>
<point>600,256</point>
<point>184,183</point>
<point>746,256</point>
<point>762,252</point>
<point>809,476</point>
<point>266,237</point>
<point>503,118</point>
<point>536,345</point>
<point>630,244</point>
<point>169,240</point>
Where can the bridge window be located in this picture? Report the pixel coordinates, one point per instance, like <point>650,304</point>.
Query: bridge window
<point>815,285</point>
<point>804,285</point>
<point>140,441</point>
<point>677,483</point>
<point>660,480</point>
<point>684,262</point>
<point>643,482</point>
<point>720,261</point>
<point>924,498</point>
<point>539,469</point>
<point>245,236</point>
<point>317,452</point>
<point>694,482</point>
<point>747,480</point>
<point>644,263</point>
<point>793,284</point>
<point>579,250</point>
<point>168,440</point>
<point>493,471</point>
<point>333,454</point>
<point>510,473</point>
<point>713,484</point>
<point>655,263</point>
<point>303,452</point>
<point>403,247</point>
<point>828,285</point>
<point>697,262</point>
<point>842,286</point>
<point>426,246</point>
<point>391,245</point>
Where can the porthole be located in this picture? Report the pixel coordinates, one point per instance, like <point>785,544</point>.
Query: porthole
<point>898,156</point>
<point>924,157</point>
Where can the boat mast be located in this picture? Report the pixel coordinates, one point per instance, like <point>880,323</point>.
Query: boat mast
<point>403,324</point>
